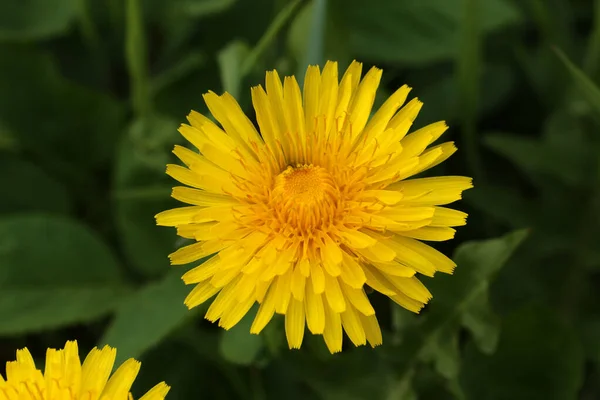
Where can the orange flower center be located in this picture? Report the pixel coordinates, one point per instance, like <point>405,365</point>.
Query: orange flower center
<point>304,199</point>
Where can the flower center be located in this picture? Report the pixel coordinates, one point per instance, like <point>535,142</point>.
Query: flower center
<point>305,198</point>
<point>303,184</point>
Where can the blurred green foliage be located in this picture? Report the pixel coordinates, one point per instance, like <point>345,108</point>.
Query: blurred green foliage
<point>92,92</point>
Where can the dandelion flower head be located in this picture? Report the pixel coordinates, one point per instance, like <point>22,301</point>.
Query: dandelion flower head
<point>304,213</point>
<point>65,378</point>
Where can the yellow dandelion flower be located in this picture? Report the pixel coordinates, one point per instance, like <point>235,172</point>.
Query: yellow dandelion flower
<point>65,378</point>
<point>300,215</point>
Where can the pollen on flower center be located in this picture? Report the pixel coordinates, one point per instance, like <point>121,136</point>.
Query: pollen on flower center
<point>304,198</point>
<point>304,184</point>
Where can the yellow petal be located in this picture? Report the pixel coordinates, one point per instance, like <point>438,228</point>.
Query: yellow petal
<point>224,300</point>
<point>378,282</point>
<point>234,314</point>
<point>357,239</point>
<point>433,191</point>
<point>158,392</point>
<point>120,382</point>
<point>283,292</point>
<point>200,197</point>
<point>395,269</point>
<point>329,93</point>
<point>404,301</point>
<point>203,271</point>
<point>406,116</point>
<point>312,83</point>
<point>334,295</point>
<point>317,277</point>
<point>332,334</point>
<point>362,102</point>
<point>431,233</point>
<point>294,112</point>
<point>448,217</point>
<point>372,329</point>
<point>315,313</point>
<point>199,294</point>
<point>352,273</point>
<point>412,287</point>
<point>358,299</point>
<point>353,326</point>
<point>95,371</point>
<point>196,251</point>
<point>298,284</point>
<point>294,324</point>
<point>265,312</point>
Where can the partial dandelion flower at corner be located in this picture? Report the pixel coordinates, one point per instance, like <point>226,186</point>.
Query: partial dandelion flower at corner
<point>66,378</point>
<point>303,213</point>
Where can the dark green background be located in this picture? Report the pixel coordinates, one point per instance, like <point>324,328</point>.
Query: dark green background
<point>92,92</point>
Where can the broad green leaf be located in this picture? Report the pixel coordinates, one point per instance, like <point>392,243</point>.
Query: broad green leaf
<point>434,88</point>
<point>415,32</point>
<point>538,357</point>
<point>443,351</point>
<point>29,188</point>
<point>238,345</point>
<point>136,57</point>
<point>148,316</point>
<point>469,67</point>
<point>180,70</point>
<point>306,38</point>
<point>503,203</point>
<point>592,54</point>
<point>29,310</point>
<point>351,375</point>
<point>584,84</point>
<point>477,263</point>
<point>65,128</point>
<point>230,60</point>
<point>203,8</point>
<point>188,375</point>
<point>35,19</point>
<point>55,272</point>
<point>483,324</point>
<point>570,165</point>
<point>269,36</point>
<point>142,190</point>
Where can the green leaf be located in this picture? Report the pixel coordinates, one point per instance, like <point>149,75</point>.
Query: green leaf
<point>415,32</point>
<point>538,357</point>
<point>570,165</point>
<point>203,8</point>
<point>444,352</point>
<point>483,324</point>
<point>504,203</point>
<point>189,376</point>
<point>238,345</point>
<point>142,190</point>
<point>230,61</point>
<point>148,316</point>
<point>180,70</point>
<point>477,263</point>
<point>355,374</point>
<point>136,57</point>
<point>79,126</point>
<point>306,37</point>
<point>27,310</point>
<point>55,272</point>
<point>434,88</point>
<point>269,36</point>
<point>584,84</point>
<point>469,62</point>
<point>35,19</point>
<point>31,189</point>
